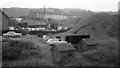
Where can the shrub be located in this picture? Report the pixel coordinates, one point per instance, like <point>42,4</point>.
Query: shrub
<point>102,56</point>
<point>11,53</point>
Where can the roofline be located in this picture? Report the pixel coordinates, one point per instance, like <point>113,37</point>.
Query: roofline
<point>67,50</point>
<point>4,14</point>
<point>73,35</point>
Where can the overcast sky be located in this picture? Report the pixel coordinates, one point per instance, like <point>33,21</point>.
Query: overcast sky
<point>93,5</point>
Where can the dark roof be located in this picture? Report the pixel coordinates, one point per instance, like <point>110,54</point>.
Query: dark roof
<point>34,26</point>
<point>64,46</point>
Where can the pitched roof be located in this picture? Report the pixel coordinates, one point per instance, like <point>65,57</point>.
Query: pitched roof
<point>64,46</point>
<point>4,13</point>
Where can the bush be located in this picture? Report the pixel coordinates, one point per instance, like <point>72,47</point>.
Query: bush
<point>102,56</point>
<point>11,53</point>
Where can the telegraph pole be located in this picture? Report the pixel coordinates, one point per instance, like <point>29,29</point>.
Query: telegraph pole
<point>44,9</point>
<point>44,15</point>
<point>44,12</point>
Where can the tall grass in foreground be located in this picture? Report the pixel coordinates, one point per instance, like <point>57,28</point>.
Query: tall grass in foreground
<point>15,50</point>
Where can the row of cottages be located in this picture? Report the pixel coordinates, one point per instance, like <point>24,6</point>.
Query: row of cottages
<point>4,19</point>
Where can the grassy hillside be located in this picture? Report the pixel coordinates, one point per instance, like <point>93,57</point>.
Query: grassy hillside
<point>103,29</point>
<point>71,21</point>
<point>77,12</point>
<point>99,25</point>
<point>16,12</point>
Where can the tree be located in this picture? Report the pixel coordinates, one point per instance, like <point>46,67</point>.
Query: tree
<point>12,22</point>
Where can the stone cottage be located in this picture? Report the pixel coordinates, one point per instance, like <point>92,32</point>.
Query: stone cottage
<point>61,52</point>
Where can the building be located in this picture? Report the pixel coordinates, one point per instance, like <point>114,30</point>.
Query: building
<point>61,52</point>
<point>77,41</point>
<point>37,27</point>
<point>4,19</point>
<point>75,38</point>
<point>18,19</point>
<point>81,47</point>
<point>55,16</point>
<point>59,27</point>
<point>37,14</point>
<point>22,26</point>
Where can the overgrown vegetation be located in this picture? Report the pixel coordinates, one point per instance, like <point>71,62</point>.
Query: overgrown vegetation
<point>16,50</point>
<point>25,53</point>
<point>103,55</point>
<point>101,24</point>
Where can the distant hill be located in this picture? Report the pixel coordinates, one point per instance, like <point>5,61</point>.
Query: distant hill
<point>99,26</point>
<point>17,12</point>
<point>77,12</point>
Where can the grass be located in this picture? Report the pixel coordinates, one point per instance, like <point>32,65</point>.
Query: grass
<point>18,50</point>
<point>25,53</point>
<point>104,54</point>
<point>29,54</point>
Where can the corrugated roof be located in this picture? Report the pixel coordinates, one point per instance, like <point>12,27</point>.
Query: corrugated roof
<point>64,46</point>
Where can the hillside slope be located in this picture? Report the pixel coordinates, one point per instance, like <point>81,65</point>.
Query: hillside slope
<point>17,12</point>
<point>99,26</point>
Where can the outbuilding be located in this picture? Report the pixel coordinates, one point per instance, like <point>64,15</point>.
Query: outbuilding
<point>61,52</point>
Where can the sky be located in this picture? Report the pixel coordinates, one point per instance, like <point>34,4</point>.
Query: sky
<point>93,5</point>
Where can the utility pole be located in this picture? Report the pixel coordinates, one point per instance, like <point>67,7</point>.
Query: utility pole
<point>44,12</point>
<point>62,15</point>
<point>44,9</point>
<point>44,15</point>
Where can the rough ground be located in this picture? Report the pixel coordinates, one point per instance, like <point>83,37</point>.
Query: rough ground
<point>42,59</point>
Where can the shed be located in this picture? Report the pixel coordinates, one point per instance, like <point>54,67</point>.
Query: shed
<point>61,52</point>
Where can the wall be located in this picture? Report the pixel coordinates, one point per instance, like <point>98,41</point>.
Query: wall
<point>5,20</point>
<point>66,55</point>
<point>55,55</point>
<point>61,57</point>
<point>0,23</point>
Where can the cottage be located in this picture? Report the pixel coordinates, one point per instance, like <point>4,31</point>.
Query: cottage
<point>61,52</point>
